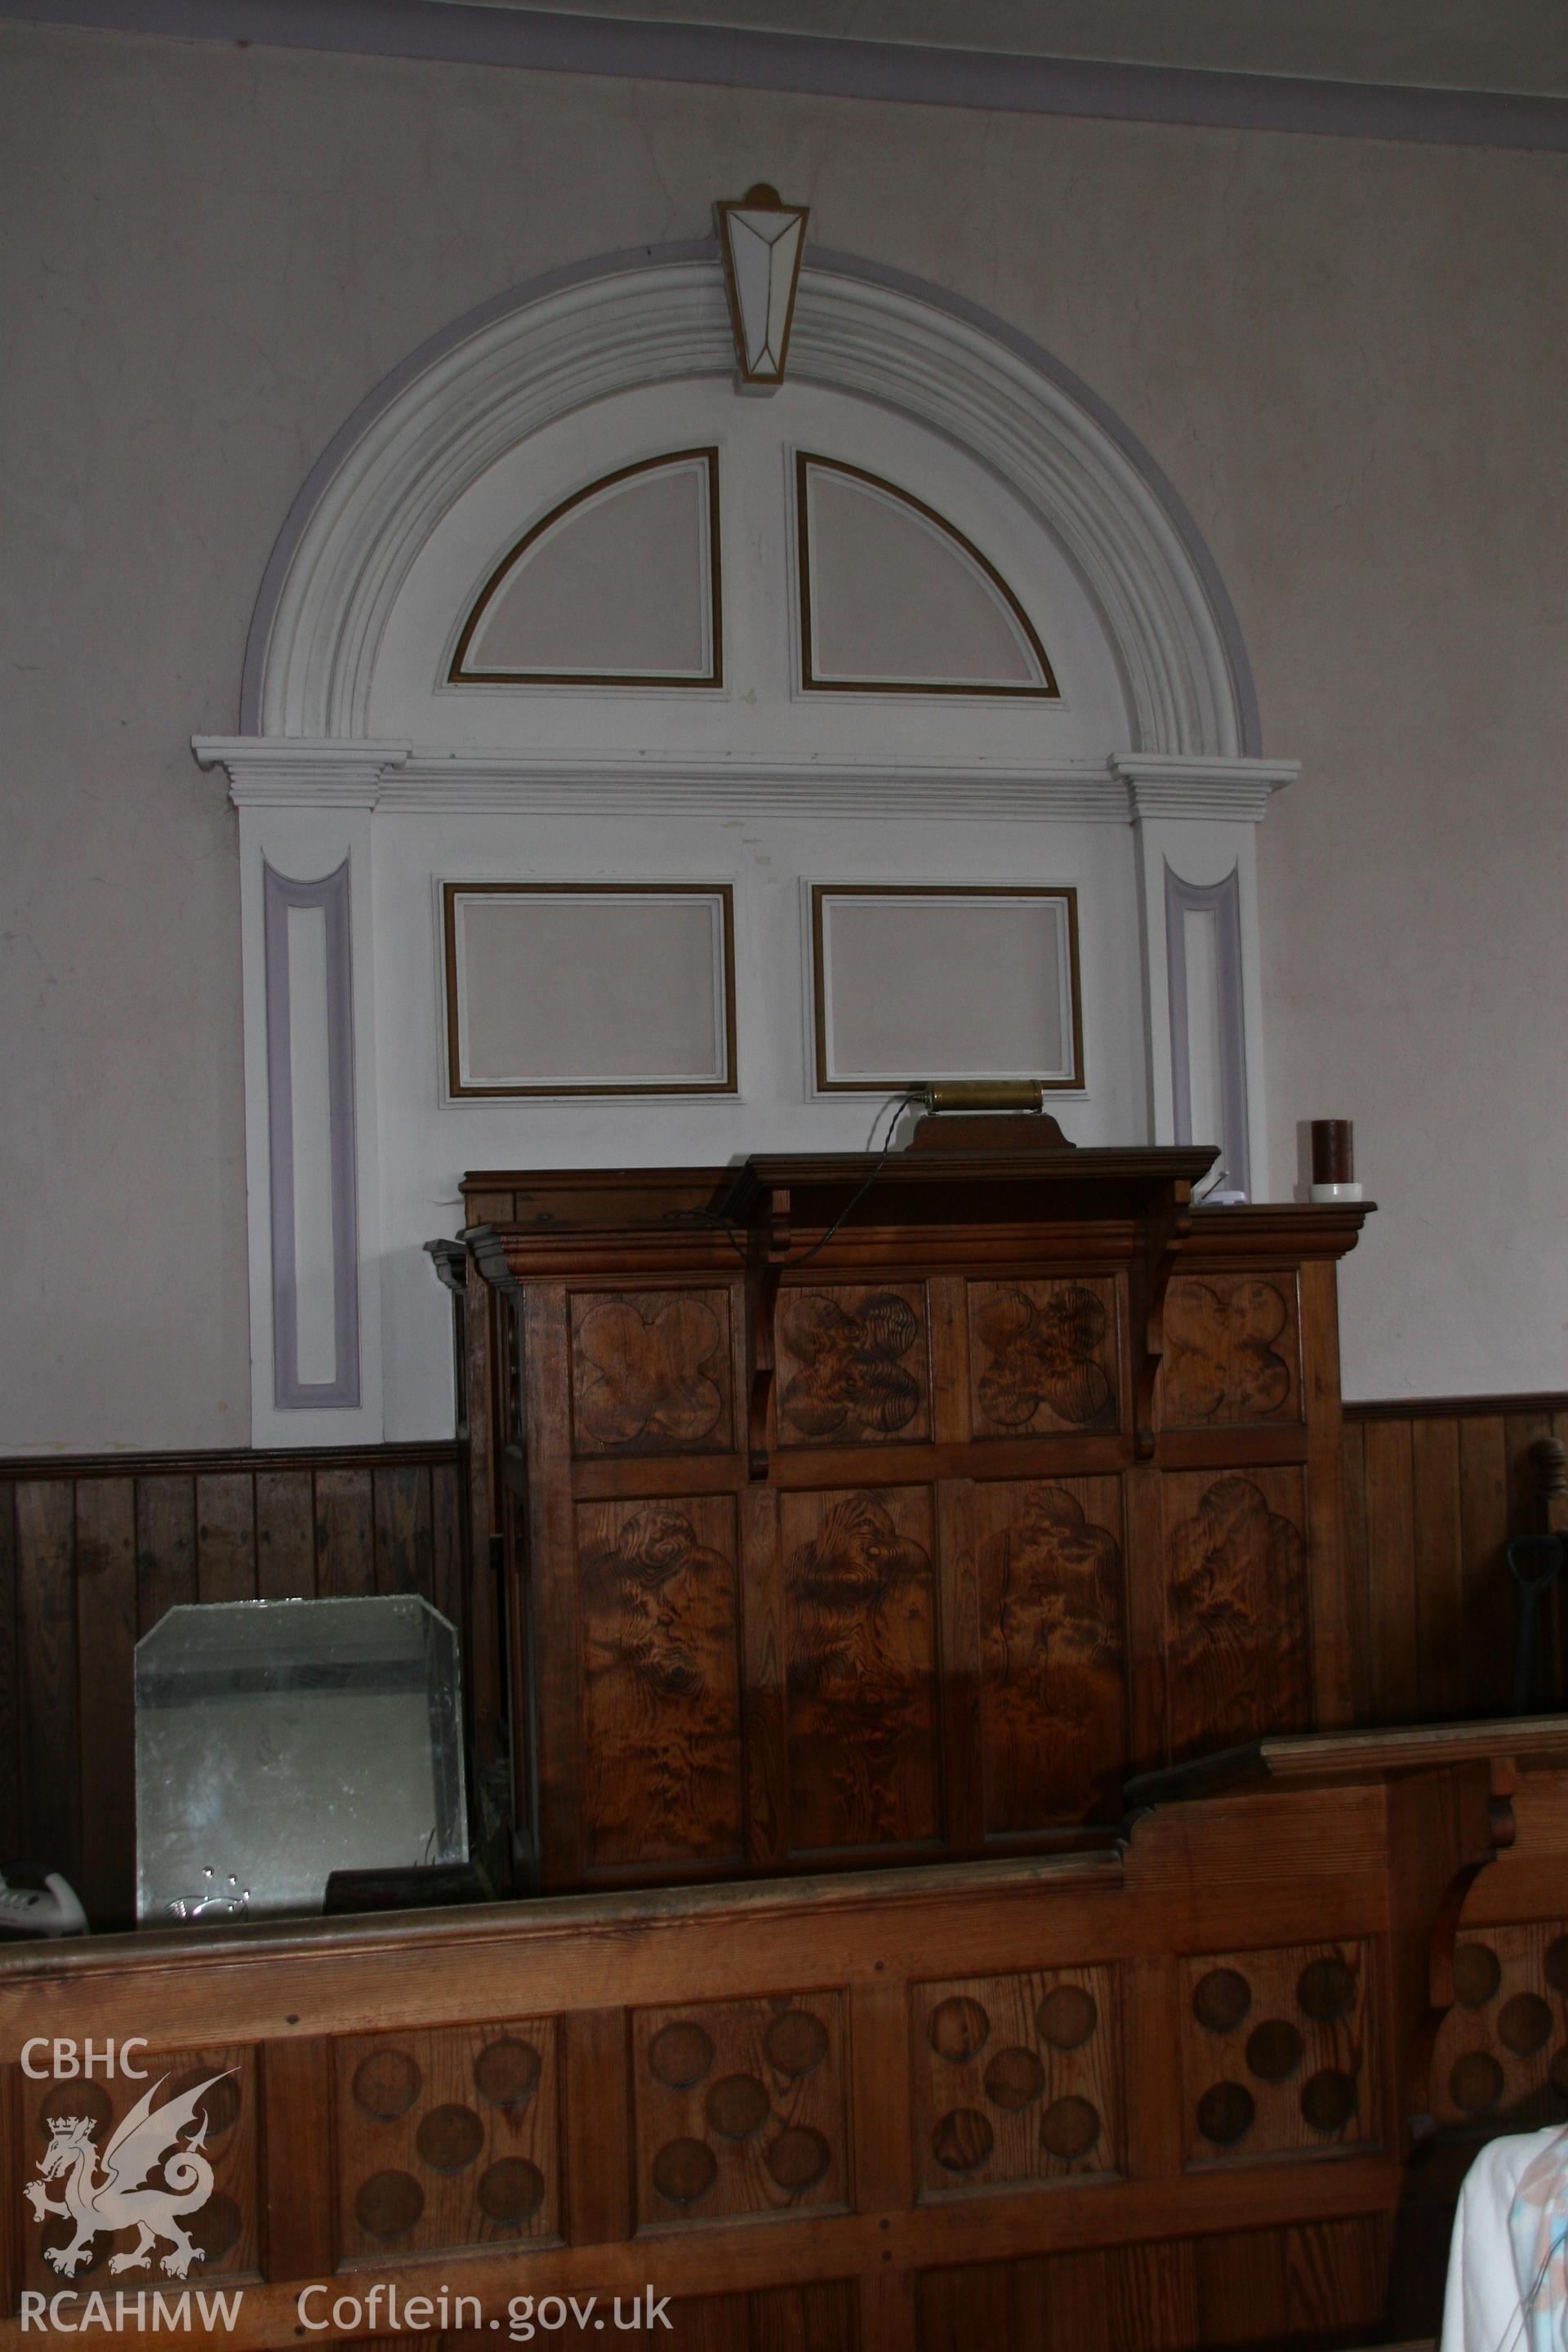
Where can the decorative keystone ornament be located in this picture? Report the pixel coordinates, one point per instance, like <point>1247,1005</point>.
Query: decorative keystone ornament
<point>762,241</point>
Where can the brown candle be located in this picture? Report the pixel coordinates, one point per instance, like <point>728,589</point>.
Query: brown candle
<point>1333,1151</point>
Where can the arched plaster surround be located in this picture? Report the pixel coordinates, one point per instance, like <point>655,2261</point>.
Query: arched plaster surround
<point>455,407</point>
<point>1180,773</point>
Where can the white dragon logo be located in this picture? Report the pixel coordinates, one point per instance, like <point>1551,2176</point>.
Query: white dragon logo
<point>117,2200</point>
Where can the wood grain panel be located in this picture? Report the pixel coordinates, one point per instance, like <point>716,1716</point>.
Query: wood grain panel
<point>1336,2275</point>
<point>345,1533</point>
<point>221,2126</point>
<point>401,1502</point>
<point>106,1639</point>
<point>1017,2078</point>
<point>1391,1545</point>
<point>298,2200</point>
<point>1054,1671</point>
<point>651,1372</point>
<point>1488,1613</point>
<point>662,1761</point>
<point>763,1678</point>
<point>1154,2297</point>
<point>226,1537</point>
<point>1043,1356</point>
<point>597,2066</point>
<point>165,1546</point>
<point>284,1536</point>
<point>1241,2287</point>
<point>740,2109</point>
<point>1233,1350</point>
<point>1276,2055</point>
<point>1439,1574</point>
<point>1358,1572</point>
<point>447,2138</point>
<point>50,1709</point>
<point>1236,1644</point>
<point>853,1366</point>
<point>863,1708</point>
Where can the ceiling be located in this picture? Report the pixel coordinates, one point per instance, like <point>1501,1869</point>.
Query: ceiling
<point>1517,46</point>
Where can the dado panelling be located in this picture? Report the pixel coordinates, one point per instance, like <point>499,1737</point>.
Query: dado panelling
<point>831,2094</point>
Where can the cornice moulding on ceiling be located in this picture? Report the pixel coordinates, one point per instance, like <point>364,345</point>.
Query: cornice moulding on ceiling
<point>458,32</point>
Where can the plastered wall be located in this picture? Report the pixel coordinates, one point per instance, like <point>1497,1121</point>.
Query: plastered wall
<point>1347,355</point>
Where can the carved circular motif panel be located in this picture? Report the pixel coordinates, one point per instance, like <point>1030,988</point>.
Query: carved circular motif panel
<point>1273,2050</point>
<point>1014,2079</point>
<point>684,2170</point>
<point>798,2158</point>
<point>449,2138</point>
<point>796,2041</point>
<point>1221,2000</point>
<point>1475,2082</point>
<point>961,2140</point>
<point>1329,2099</point>
<point>219,2104</point>
<point>1524,2024</point>
<point>507,2072</point>
<point>1326,1991</point>
<point>958,2029</point>
<point>737,2107</point>
<point>388,2203</point>
<point>1069,2128</point>
<point>216,2229</point>
<point>1226,2111</point>
<point>511,2192</point>
<point>679,2055</point>
<point>89,2099</point>
<point>387,2084</point>
<point>1477,1974</point>
<point>1066,2017</point>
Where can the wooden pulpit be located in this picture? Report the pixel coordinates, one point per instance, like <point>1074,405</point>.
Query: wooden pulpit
<point>859,1515</point>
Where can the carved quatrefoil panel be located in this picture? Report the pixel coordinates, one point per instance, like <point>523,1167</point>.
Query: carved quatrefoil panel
<point>1231,1350</point>
<point>651,1372</point>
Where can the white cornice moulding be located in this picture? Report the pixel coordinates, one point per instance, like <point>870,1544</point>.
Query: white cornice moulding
<point>273,771</point>
<point>292,773</point>
<point>1237,791</point>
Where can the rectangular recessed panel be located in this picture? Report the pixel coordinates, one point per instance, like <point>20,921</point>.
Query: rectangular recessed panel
<point>561,990</point>
<point>861,1677</point>
<point>311,1104</point>
<point>945,983</point>
<point>661,1680</point>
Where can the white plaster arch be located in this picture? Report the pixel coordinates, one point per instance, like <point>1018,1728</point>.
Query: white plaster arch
<point>455,407</point>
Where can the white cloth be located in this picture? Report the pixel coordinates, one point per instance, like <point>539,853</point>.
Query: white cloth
<point>1508,2272</point>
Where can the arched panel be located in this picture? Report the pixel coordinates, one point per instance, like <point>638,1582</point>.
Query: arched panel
<point>896,598</point>
<point>617,585</point>
<point>551,350</point>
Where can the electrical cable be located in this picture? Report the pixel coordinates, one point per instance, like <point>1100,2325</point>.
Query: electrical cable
<point>901,1104</point>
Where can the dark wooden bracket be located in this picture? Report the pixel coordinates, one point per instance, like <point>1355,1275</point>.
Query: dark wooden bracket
<point>767,1247</point>
<point>1170,1221</point>
<point>1444,1827</point>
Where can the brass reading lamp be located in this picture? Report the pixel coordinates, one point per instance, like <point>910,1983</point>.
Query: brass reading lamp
<point>959,1115</point>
